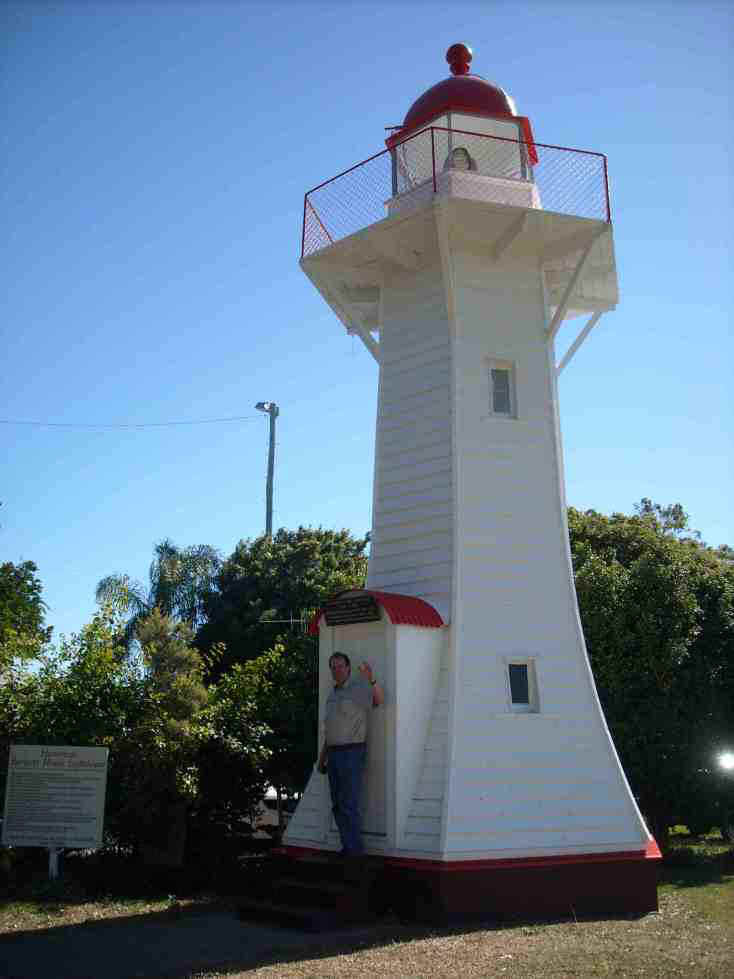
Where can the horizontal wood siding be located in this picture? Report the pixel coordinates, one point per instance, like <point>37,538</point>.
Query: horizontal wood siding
<point>537,782</point>
<point>412,519</point>
<point>423,826</point>
<point>307,822</point>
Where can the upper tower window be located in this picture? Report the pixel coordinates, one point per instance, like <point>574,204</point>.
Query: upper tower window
<point>502,399</point>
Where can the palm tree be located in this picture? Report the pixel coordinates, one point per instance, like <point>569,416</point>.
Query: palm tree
<point>179,580</point>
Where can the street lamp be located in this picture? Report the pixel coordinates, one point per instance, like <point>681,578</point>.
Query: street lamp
<point>269,408</point>
<point>726,764</point>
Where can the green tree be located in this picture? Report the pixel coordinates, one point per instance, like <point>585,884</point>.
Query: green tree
<point>179,580</point>
<point>195,755</point>
<point>180,752</point>
<point>268,582</point>
<point>232,770</point>
<point>159,757</point>
<point>82,694</point>
<point>657,615</point>
<point>282,685</point>
<point>725,553</point>
<point>671,520</point>
<point>23,634</point>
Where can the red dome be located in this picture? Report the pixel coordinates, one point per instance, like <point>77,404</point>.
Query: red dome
<point>462,92</point>
<point>469,93</point>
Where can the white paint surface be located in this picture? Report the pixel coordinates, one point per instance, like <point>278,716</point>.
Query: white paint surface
<point>469,514</point>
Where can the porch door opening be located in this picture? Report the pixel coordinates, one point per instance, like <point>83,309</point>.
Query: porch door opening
<point>366,641</point>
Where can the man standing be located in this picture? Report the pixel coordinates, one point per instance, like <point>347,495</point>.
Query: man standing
<point>344,752</point>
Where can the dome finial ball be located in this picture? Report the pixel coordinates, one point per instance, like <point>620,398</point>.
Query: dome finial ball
<point>459,56</point>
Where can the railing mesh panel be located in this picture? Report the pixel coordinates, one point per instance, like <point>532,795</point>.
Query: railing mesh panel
<point>462,164</point>
<point>347,203</point>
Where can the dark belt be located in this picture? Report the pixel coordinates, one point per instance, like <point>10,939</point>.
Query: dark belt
<point>344,747</point>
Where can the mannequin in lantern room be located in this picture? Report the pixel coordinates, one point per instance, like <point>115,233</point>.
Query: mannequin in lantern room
<point>460,159</point>
<point>344,752</point>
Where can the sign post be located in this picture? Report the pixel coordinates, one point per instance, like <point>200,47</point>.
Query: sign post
<point>54,798</point>
<point>53,862</point>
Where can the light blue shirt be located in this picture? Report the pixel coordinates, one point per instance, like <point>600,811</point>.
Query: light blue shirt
<point>346,712</point>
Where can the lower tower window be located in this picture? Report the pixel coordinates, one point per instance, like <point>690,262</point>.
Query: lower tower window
<point>522,686</point>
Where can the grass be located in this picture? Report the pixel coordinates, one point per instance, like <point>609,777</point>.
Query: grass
<point>109,892</point>
<point>691,935</point>
<point>701,871</point>
<point>37,915</point>
<point>668,945</point>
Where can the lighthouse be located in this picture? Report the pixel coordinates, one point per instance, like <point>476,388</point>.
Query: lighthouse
<point>456,255</point>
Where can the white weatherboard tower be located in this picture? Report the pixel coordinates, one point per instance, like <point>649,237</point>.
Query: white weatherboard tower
<point>492,780</point>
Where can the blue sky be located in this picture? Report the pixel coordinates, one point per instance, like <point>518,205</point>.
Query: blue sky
<point>154,162</point>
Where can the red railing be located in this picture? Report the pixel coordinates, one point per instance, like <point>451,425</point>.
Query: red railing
<point>465,164</point>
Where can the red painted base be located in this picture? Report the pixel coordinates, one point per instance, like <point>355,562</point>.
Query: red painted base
<point>608,883</point>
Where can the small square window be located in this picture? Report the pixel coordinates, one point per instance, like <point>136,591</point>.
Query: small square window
<point>502,388</point>
<point>522,687</point>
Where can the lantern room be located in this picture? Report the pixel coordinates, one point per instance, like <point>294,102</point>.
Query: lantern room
<point>463,136</point>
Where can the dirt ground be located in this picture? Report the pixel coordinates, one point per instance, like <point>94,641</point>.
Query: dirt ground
<point>214,943</point>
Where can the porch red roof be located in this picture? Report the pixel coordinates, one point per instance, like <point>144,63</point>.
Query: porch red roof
<point>401,610</point>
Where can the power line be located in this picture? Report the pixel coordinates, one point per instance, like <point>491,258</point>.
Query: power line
<point>129,425</point>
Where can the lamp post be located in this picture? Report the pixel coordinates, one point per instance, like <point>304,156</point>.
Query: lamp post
<point>269,408</point>
<point>726,764</point>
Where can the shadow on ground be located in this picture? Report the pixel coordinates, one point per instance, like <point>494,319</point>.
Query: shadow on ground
<point>170,945</point>
<point>184,944</point>
<point>685,877</point>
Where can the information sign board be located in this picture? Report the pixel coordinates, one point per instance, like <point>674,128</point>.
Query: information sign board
<point>55,796</point>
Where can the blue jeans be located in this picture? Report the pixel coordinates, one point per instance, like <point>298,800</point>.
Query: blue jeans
<point>346,772</point>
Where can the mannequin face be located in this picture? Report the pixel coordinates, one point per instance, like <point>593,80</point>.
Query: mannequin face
<point>460,159</point>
